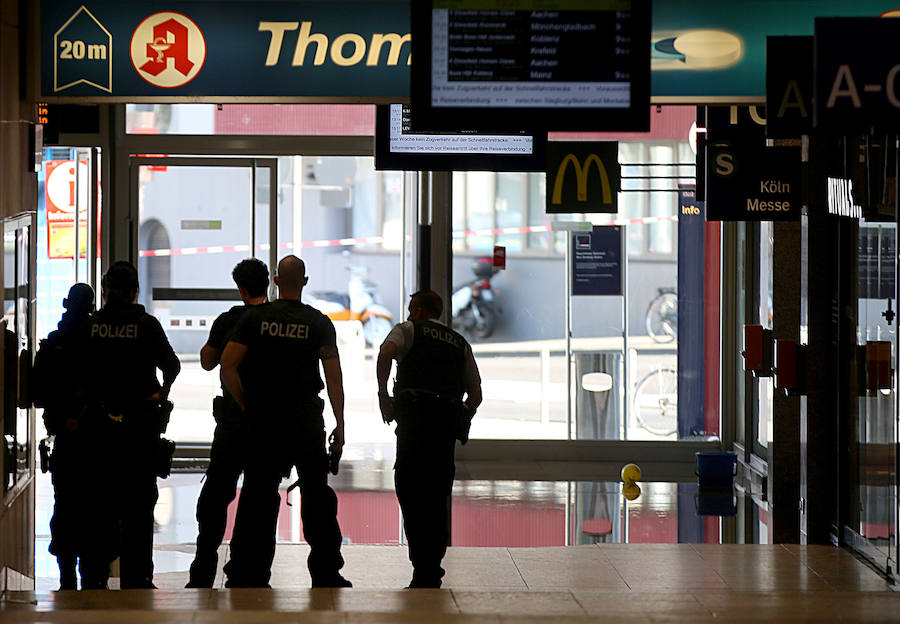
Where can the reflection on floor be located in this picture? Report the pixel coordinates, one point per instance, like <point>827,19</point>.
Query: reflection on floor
<point>618,582</point>
<point>545,550</point>
<point>497,512</point>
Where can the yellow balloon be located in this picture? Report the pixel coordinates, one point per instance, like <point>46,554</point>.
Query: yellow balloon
<point>631,473</point>
<point>631,491</point>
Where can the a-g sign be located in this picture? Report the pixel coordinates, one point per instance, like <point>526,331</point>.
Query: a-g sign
<point>582,177</point>
<point>857,74</point>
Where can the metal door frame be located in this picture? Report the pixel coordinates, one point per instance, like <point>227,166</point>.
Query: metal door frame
<point>136,162</point>
<point>12,225</point>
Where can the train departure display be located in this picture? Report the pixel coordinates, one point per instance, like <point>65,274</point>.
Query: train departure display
<point>535,64</point>
<point>398,147</point>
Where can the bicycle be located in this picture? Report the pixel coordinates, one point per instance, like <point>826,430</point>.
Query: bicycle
<point>655,401</point>
<point>662,315</point>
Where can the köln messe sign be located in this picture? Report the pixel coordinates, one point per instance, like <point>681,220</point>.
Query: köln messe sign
<point>136,50</point>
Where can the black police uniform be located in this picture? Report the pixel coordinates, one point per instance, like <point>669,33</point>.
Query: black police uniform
<point>281,385</point>
<point>227,458</point>
<point>127,345</point>
<point>61,392</point>
<point>427,396</point>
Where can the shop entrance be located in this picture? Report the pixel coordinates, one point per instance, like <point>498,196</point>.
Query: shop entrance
<point>196,217</point>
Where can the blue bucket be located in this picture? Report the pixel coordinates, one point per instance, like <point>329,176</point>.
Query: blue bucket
<point>716,468</point>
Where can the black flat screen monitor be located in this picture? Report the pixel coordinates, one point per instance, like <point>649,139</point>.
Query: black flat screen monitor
<point>397,148</point>
<point>531,64</point>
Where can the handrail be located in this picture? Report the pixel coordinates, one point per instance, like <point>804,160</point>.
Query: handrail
<point>610,343</point>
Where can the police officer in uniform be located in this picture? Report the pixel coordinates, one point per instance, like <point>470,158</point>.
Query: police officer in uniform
<point>127,346</point>
<point>271,368</point>
<point>228,452</point>
<point>59,387</point>
<point>435,370</point>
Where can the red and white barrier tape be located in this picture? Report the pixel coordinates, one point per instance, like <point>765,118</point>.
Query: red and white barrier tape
<point>374,240</point>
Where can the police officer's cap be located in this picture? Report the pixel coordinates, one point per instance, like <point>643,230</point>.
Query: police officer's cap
<point>121,276</point>
<point>80,297</point>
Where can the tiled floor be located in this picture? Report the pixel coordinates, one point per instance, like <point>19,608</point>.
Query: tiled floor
<point>604,582</point>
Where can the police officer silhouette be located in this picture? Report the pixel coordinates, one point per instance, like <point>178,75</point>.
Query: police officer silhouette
<point>271,368</point>
<point>435,371</point>
<point>59,387</point>
<point>127,346</point>
<point>228,451</point>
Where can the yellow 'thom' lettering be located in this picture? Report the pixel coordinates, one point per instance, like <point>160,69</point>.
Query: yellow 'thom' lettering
<point>345,50</point>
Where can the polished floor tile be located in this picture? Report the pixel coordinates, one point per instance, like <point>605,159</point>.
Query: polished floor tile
<point>633,583</point>
<point>518,603</point>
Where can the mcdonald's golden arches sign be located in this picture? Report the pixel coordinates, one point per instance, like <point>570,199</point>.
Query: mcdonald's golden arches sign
<point>582,176</point>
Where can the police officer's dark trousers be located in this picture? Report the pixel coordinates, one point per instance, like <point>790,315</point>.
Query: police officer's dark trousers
<point>227,459</point>
<point>70,477</point>
<point>253,542</point>
<point>423,477</point>
<point>134,450</point>
<point>100,540</point>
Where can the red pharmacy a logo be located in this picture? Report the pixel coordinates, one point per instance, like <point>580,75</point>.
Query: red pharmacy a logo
<point>168,49</point>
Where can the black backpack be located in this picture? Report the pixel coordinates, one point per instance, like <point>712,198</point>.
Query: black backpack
<point>52,373</point>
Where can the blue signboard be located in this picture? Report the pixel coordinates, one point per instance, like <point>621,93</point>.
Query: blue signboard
<point>147,50</point>
<point>597,261</point>
<point>102,49</point>
<point>691,313</point>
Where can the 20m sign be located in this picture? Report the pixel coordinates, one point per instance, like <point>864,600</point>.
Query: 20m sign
<point>82,53</point>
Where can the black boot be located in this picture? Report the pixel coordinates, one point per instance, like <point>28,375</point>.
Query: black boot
<point>67,578</point>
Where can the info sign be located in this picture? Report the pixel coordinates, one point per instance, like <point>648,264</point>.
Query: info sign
<point>582,177</point>
<point>857,75</point>
<point>597,261</point>
<point>747,181</point>
<point>61,203</point>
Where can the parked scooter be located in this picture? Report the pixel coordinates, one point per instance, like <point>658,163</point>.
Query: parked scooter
<point>360,303</point>
<point>475,310</point>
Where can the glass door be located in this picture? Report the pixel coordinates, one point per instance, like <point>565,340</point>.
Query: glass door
<point>66,193</point>
<point>18,351</point>
<point>874,508</point>
<point>195,219</point>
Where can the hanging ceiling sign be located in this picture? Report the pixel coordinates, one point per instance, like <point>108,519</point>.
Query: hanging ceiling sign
<point>357,50</point>
<point>857,75</point>
<point>108,50</point>
<point>789,86</point>
<point>714,52</point>
<point>747,181</point>
<point>582,176</point>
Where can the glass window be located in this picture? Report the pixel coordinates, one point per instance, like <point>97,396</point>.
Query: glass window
<point>391,200</point>
<point>480,193</point>
<point>874,512</point>
<point>251,119</point>
<point>511,205</point>
<point>766,285</point>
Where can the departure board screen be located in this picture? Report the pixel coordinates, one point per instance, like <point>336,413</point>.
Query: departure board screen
<point>400,148</point>
<point>548,64</point>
